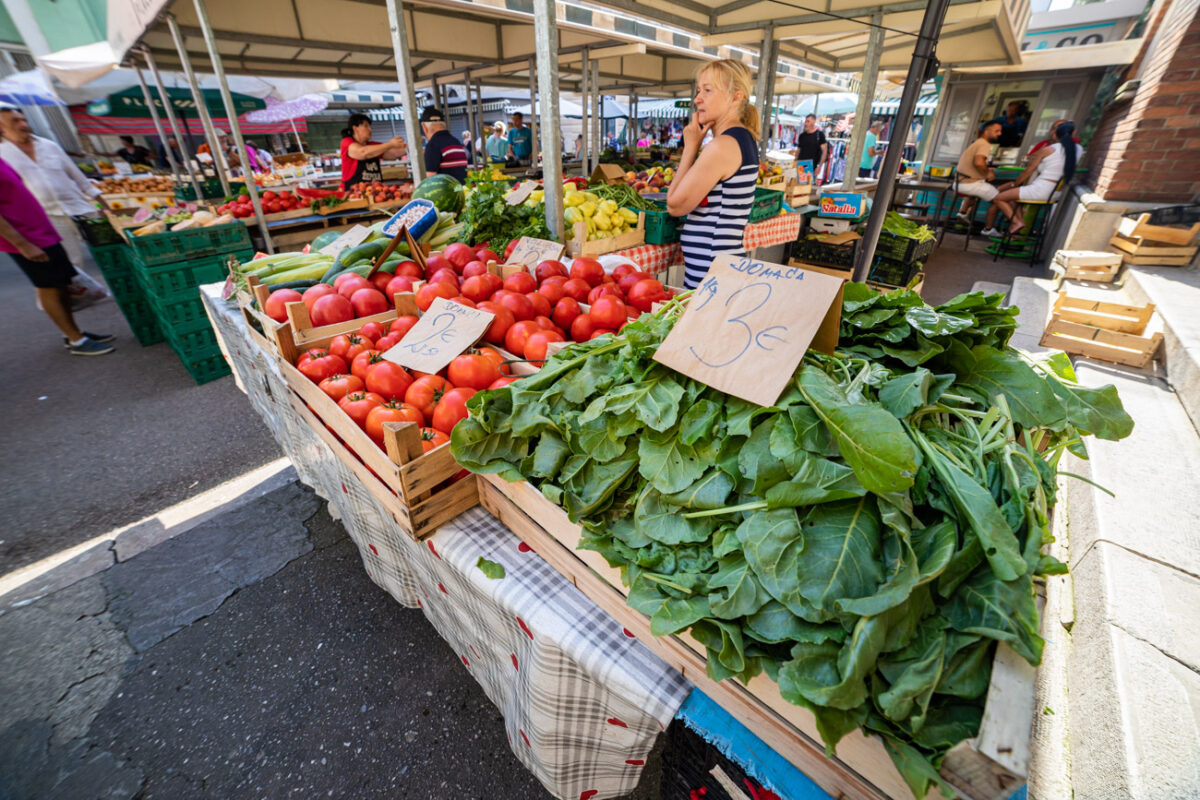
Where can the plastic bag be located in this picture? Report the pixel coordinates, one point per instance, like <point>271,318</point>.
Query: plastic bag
<point>86,291</point>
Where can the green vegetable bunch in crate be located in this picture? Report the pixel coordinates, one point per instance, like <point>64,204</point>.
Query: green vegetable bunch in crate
<point>904,240</point>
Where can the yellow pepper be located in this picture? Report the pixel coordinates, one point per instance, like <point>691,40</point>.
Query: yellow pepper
<point>617,220</point>
<point>630,215</point>
<point>590,196</point>
<point>588,209</point>
<point>572,200</point>
<point>572,215</point>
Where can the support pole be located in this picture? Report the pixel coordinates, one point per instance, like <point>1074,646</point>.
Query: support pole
<point>923,66</point>
<point>630,131</point>
<point>170,109</point>
<point>296,133</point>
<point>597,115</point>
<point>210,133</point>
<point>470,108</point>
<point>437,98</point>
<point>234,128</point>
<point>764,87</point>
<point>585,154</point>
<point>162,136</point>
<point>404,77</point>
<point>866,95</point>
<point>545,30</point>
<point>533,117</point>
<point>483,129</point>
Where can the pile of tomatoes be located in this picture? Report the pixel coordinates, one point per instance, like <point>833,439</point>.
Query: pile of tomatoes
<point>351,296</point>
<point>272,203</point>
<point>372,390</point>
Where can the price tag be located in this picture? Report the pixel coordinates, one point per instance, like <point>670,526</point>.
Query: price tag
<point>748,325</point>
<point>521,193</point>
<point>531,252</point>
<point>443,333</point>
<point>351,238</point>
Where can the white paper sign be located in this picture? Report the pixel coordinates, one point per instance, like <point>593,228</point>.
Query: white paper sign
<point>521,193</point>
<point>351,238</point>
<point>445,331</point>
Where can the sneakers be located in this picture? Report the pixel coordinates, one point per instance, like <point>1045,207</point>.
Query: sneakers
<point>963,218</point>
<point>993,233</point>
<point>89,347</point>
<point>102,338</point>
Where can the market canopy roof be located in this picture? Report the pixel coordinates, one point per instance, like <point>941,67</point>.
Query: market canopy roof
<point>90,124</point>
<point>926,105</point>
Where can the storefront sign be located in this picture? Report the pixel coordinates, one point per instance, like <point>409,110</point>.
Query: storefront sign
<point>445,332</point>
<point>531,252</point>
<point>748,325</point>
<point>848,205</point>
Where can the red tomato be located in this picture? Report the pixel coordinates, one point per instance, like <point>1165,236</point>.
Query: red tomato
<point>473,371</point>
<point>397,284</point>
<point>331,309</point>
<point>587,269</point>
<point>435,261</point>
<point>577,289</point>
<point>268,195</point>
<point>609,312</point>
<point>364,361</point>
<point>545,323</point>
<point>276,305</point>
<point>463,301</point>
<point>521,283</point>
<point>537,344</point>
<point>476,288</point>
<point>380,281</point>
<point>514,340</point>
<point>645,293</point>
<point>596,334</point>
<point>432,439</point>
<point>541,304</point>
<point>500,325</point>
<point>552,292</point>
<point>603,289</point>
<point>387,342</point>
<point>452,408</point>
<point>373,331</point>
<point>403,324</point>
<point>518,304</point>
<point>582,328</point>
<point>547,268</point>
<point>410,269</point>
<point>388,379</point>
<point>425,393</point>
<point>358,404</point>
<point>445,276</point>
<point>459,255</point>
<point>555,280</point>
<point>503,381</point>
<point>349,345</point>
<point>509,248</point>
<point>368,302</point>
<point>338,386</point>
<point>565,312</point>
<point>627,280</point>
<point>310,354</point>
<point>318,368</point>
<point>431,291</point>
<point>494,282</point>
<point>496,358</point>
<point>485,254</point>
<point>314,293</point>
<point>621,270</point>
<point>474,268</point>
<point>390,411</point>
<point>352,284</point>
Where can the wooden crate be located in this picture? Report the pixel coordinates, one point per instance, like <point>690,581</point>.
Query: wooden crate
<point>295,213</point>
<point>1110,316</point>
<point>578,245</point>
<point>1144,252</point>
<point>304,335</point>
<point>1087,265</point>
<point>345,205</point>
<point>1093,342</point>
<point>862,768</point>
<point>1141,228</point>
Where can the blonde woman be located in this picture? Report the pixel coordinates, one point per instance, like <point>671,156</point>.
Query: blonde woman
<point>714,187</point>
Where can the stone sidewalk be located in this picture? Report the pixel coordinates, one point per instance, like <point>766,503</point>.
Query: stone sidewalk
<point>248,657</point>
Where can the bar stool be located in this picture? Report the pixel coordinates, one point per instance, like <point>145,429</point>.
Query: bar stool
<point>958,196</point>
<point>1034,233</point>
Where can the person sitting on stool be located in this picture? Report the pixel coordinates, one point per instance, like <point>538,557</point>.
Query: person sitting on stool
<point>1047,167</point>
<point>974,172</point>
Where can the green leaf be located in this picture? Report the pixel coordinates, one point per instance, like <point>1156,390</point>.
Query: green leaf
<point>549,455</point>
<point>868,437</point>
<point>698,421</point>
<point>904,394</point>
<point>743,593</point>
<point>709,491</point>
<point>934,547</point>
<point>936,323</point>
<point>662,522</point>
<point>726,650</point>
<point>968,669</point>
<point>490,568</point>
<point>757,464</point>
<point>916,768</point>
<point>594,438</point>
<point>773,542</point>
<point>991,372</point>
<point>774,623</point>
<point>481,451</point>
<point>654,401</point>
<point>1000,610</point>
<point>596,485</point>
<point>840,557</point>
<point>667,463</point>
<point>815,480</point>
<point>899,580</point>
<point>947,724</point>
<point>1095,411</point>
<point>913,673</point>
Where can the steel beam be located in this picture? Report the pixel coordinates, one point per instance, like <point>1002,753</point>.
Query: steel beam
<point>862,114</point>
<point>533,119</point>
<point>545,29</point>
<point>170,110</point>
<point>404,78</point>
<point>162,137</point>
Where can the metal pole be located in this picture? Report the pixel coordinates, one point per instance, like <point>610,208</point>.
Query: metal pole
<point>437,97</point>
<point>170,109</point>
<point>470,109</point>
<point>210,133</point>
<point>585,154</point>
<point>296,133</point>
<point>764,85</point>
<point>533,120</point>
<point>234,128</point>
<point>924,64</point>
<point>630,141</point>
<point>162,136</point>
<point>404,77</point>
<point>866,94</point>
<point>597,114</point>
<point>545,30</point>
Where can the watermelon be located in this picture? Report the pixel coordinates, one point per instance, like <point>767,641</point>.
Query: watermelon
<point>324,239</point>
<point>443,191</point>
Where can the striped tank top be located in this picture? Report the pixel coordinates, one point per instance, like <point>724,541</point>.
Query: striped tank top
<point>718,224</point>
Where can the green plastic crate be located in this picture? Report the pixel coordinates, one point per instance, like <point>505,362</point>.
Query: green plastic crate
<point>767,203</point>
<point>98,231</point>
<point>180,311</point>
<point>903,249</point>
<point>661,227</point>
<point>142,320</point>
<point>147,333</point>
<point>178,246</point>
<point>211,189</point>
<point>179,280</point>
<point>203,365</point>
<point>189,338</point>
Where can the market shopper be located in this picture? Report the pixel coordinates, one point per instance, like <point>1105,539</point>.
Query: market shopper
<point>497,144</point>
<point>974,174</point>
<point>470,148</point>
<point>870,149</point>
<point>28,235</point>
<point>811,144</point>
<point>1047,167</point>
<point>714,187</point>
<point>520,140</point>
<point>361,154</point>
<point>52,177</point>
<point>444,155</point>
<point>134,153</point>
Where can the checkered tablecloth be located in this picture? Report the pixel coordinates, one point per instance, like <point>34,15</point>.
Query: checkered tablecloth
<point>583,701</point>
<point>776,230</point>
<point>654,258</point>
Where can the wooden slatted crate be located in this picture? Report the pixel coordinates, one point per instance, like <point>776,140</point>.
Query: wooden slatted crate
<point>1099,314</point>
<point>1144,252</point>
<point>1105,345</point>
<point>1085,265</point>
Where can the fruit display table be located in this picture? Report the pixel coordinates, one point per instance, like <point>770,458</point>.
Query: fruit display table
<point>776,230</point>
<point>583,701</point>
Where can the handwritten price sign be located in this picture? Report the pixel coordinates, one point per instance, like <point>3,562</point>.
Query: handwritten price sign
<point>351,238</point>
<point>749,324</point>
<point>445,331</point>
<point>531,252</point>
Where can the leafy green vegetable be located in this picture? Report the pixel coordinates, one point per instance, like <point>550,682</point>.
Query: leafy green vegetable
<point>486,217</point>
<point>491,568</point>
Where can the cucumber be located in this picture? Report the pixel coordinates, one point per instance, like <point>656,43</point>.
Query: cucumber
<point>366,250</point>
<point>299,286</point>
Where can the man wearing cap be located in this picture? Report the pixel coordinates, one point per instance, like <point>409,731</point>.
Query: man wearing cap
<point>497,144</point>
<point>444,154</point>
<point>520,139</point>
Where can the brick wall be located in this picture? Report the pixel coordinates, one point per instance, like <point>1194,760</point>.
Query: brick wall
<point>1148,149</point>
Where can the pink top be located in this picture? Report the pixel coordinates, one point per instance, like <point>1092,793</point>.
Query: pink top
<point>23,212</point>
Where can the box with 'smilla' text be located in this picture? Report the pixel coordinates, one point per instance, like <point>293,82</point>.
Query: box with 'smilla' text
<point>847,205</point>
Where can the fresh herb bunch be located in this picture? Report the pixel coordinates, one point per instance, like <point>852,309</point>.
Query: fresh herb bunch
<point>866,541</point>
<point>487,218</point>
<point>897,225</point>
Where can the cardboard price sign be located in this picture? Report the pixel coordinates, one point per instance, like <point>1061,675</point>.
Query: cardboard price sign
<point>445,331</point>
<point>351,238</point>
<point>531,252</point>
<point>748,325</point>
<point>521,193</point>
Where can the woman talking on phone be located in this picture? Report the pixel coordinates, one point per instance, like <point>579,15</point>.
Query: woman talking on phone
<point>714,187</point>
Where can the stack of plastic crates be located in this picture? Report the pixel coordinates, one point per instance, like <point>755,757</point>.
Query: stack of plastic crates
<point>116,265</point>
<point>169,267</point>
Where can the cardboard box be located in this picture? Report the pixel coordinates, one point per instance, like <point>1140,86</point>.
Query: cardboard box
<point>609,174</point>
<point>842,205</point>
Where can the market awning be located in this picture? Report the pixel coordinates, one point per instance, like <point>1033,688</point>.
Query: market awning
<point>926,105</point>
<point>143,126</point>
<point>663,109</point>
<point>131,103</point>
